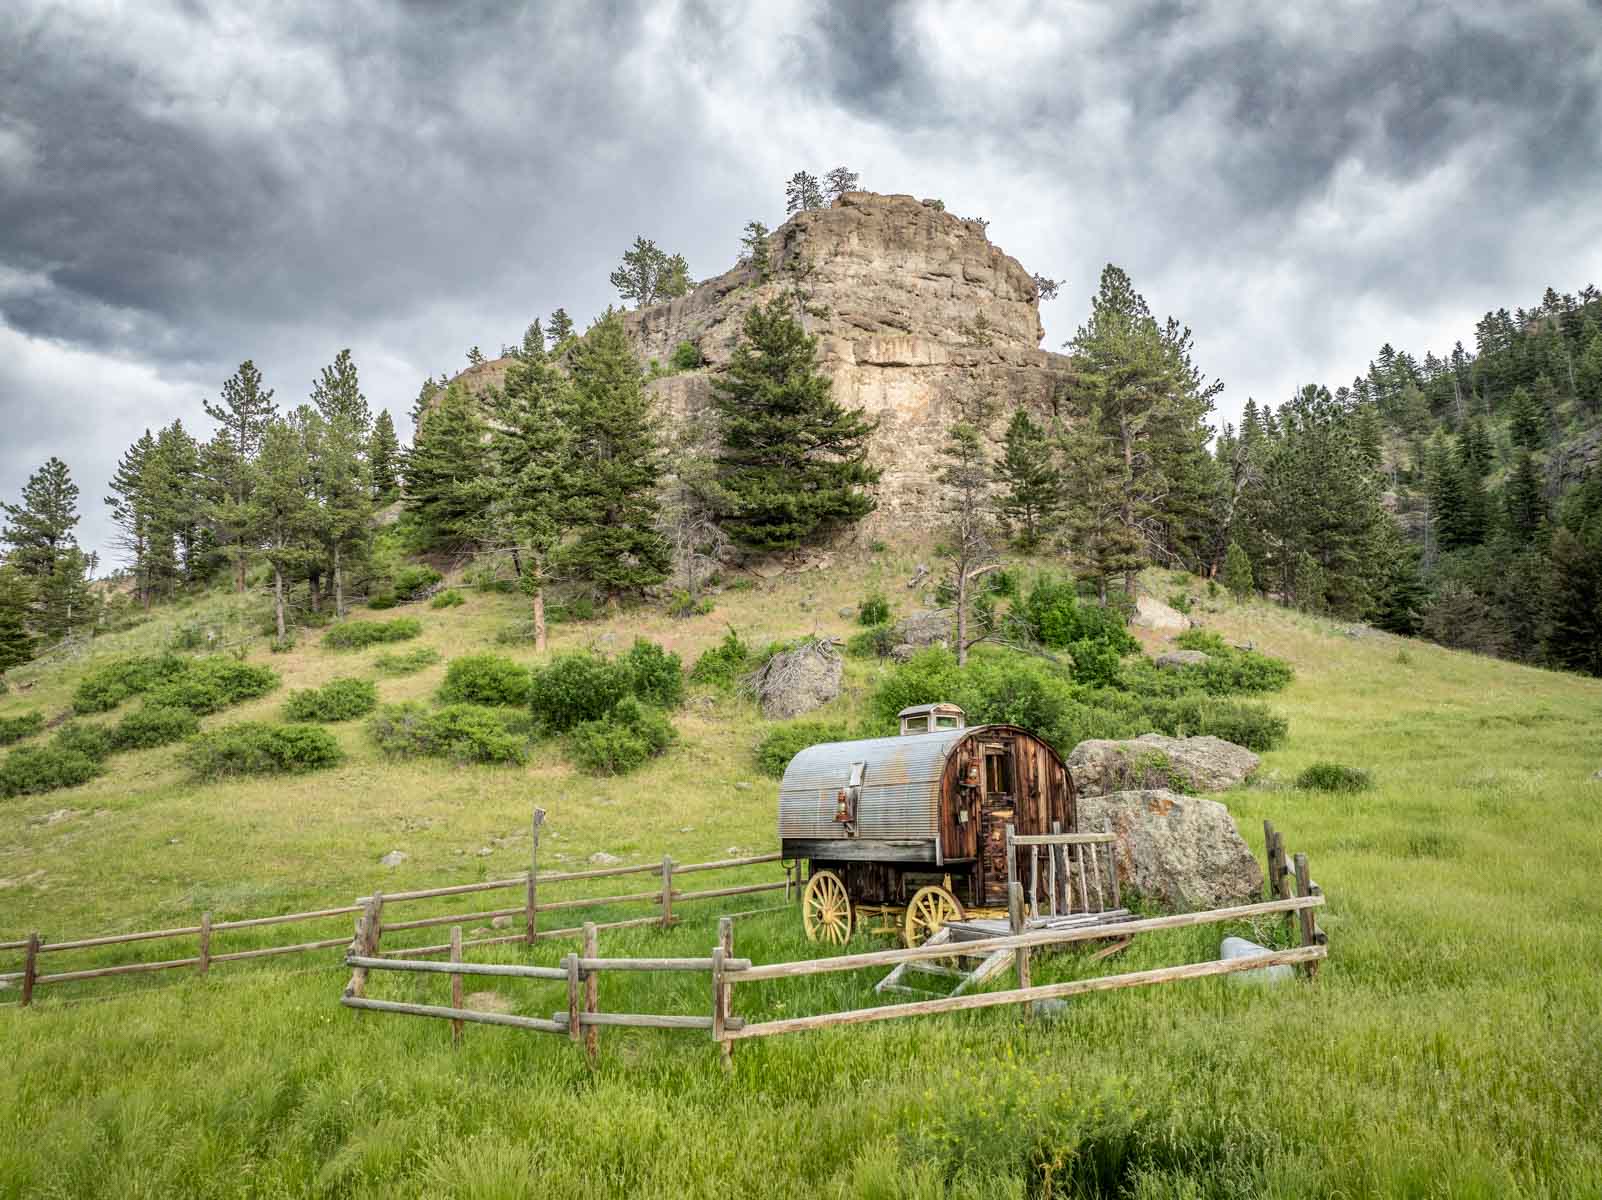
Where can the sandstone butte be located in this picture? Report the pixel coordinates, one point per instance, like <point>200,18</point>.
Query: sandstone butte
<point>912,307</point>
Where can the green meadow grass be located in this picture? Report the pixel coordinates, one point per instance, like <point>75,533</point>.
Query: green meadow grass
<point>1451,1045</point>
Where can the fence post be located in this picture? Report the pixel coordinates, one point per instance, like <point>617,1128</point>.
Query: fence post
<point>205,943</point>
<point>1304,887</point>
<point>365,942</point>
<point>1012,865</point>
<point>570,961</point>
<point>30,969</point>
<point>1270,882</point>
<point>1015,919</point>
<point>1051,872</point>
<point>456,984</point>
<point>718,997</point>
<point>726,946</point>
<point>1034,881</point>
<point>667,890</point>
<point>531,919</point>
<point>592,992</point>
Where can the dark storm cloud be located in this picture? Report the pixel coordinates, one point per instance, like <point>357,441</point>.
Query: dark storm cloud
<point>185,185</point>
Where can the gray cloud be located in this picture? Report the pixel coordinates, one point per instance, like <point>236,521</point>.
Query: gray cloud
<point>184,186</point>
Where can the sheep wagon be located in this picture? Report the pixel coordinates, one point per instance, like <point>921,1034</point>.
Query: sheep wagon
<point>912,828</point>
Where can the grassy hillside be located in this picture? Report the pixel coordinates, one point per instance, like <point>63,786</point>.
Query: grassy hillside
<point>1450,1046</point>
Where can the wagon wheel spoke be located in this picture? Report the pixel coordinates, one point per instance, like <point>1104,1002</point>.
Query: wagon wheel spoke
<point>826,909</point>
<point>930,909</point>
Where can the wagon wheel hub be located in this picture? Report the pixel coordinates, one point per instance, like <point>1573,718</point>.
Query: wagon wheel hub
<point>930,909</point>
<point>826,909</point>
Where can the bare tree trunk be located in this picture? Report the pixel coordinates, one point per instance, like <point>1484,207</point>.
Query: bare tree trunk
<point>239,569</point>
<point>278,599</point>
<point>540,643</point>
<point>962,613</point>
<point>339,584</point>
<point>314,583</point>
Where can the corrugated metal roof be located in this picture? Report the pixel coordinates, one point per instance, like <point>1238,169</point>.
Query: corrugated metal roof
<point>900,788</point>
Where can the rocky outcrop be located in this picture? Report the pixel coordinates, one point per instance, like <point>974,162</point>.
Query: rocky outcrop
<point>1198,764</point>
<point>1181,851</point>
<point>1177,660</point>
<point>931,628</point>
<point>1151,613</point>
<point>797,681</point>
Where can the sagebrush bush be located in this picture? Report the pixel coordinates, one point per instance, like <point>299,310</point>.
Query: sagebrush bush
<point>681,605</point>
<point>876,642</point>
<point>576,687</point>
<point>623,740</point>
<point>413,579</point>
<point>14,729</point>
<point>724,665</point>
<point>874,610</point>
<point>783,742</point>
<point>485,679</point>
<point>656,675</point>
<point>379,601</point>
<point>1334,777</point>
<point>29,770</point>
<point>153,725</point>
<point>407,662</point>
<point>336,700</point>
<point>213,684</point>
<point>460,732</point>
<point>449,598</point>
<point>257,748</point>
<point>91,741</point>
<point>109,684</point>
<point>356,635</point>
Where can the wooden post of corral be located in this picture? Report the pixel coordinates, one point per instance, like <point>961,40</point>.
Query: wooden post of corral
<point>205,943</point>
<point>368,931</point>
<point>725,1002</point>
<point>531,920</point>
<point>30,969</point>
<point>1012,863</point>
<point>570,961</point>
<point>1015,919</point>
<point>1057,906</point>
<point>667,890</point>
<point>1304,887</point>
<point>456,984</point>
<point>592,993</point>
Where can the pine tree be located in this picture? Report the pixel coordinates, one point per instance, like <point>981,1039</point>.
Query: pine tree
<point>1525,422</point>
<point>1588,369</point>
<point>967,478</point>
<point>1101,546</point>
<point>1311,581</point>
<point>559,329</point>
<point>649,275</point>
<point>754,247</point>
<point>44,550</point>
<point>337,393</point>
<point>792,462</point>
<point>426,395</point>
<point>384,458</point>
<point>475,357</point>
<point>1474,448</point>
<point>533,341</point>
<point>16,607</point>
<point>1523,500</point>
<point>130,511</point>
<point>1401,597</point>
<point>615,468</point>
<point>342,490</point>
<point>1574,604</point>
<point>1033,496</point>
<point>447,486</point>
<point>1238,572</point>
<point>802,192</point>
<point>245,410</point>
<point>531,511</point>
<point>281,511</point>
<point>838,182</point>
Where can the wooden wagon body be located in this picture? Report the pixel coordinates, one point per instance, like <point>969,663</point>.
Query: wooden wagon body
<point>892,818</point>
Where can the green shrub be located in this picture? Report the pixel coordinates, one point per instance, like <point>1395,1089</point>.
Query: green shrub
<point>1228,669</point>
<point>282,645</point>
<point>874,610</point>
<point>724,665</point>
<point>579,608</point>
<point>109,684</point>
<point>449,598</point>
<point>356,635</point>
<point>517,633</point>
<point>336,700</point>
<point>781,743</point>
<point>408,662</point>
<point>150,725</point>
<point>461,732</point>
<point>1002,582</point>
<point>655,675</point>
<point>1333,777</point>
<point>686,356</point>
<point>256,748</point>
<point>29,770</point>
<point>14,729</point>
<point>1179,601</point>
<point>1054,616</point>
<point>413,579</point>
<point>871,643</point>
<point>621,741</point>
<point>575,688</point>
<point>741,583</point>
<point>213,684</point>
<point>681,605</point>
<point>485,679</point>
<point>91,741</point>
<point>379,601</point>
<point>1095,663</point>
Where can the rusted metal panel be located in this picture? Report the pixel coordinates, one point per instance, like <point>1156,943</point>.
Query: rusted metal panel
<point>900,787</point>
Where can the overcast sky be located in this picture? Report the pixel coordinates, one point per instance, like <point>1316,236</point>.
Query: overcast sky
<point>185,185</point>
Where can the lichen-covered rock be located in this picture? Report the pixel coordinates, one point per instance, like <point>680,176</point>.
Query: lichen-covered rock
<point>794,682</point>
<point>1152,613</point>
<point>1199,764</point>
<point>1183,852</point>
<point>1176,660</point>
<point>932,627</point>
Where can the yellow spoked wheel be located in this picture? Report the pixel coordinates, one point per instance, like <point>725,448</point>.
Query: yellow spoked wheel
<point>826,909</point>
<point>931,908</point>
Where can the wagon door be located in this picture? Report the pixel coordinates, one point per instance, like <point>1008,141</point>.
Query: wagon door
<point>998,802</point>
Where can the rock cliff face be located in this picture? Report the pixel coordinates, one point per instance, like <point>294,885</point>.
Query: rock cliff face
<point>911,306</point>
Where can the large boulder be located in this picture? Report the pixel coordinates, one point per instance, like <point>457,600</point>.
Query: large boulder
<point>1183,852</point>
<point>1178,660</point>
<point>1197,764</point>
<point>797,681</point>
<point>929,628</point>
<point>1152,613</point>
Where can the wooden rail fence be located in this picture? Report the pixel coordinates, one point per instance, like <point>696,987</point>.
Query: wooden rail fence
<point>371,923</point>
<point>581,972</point>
